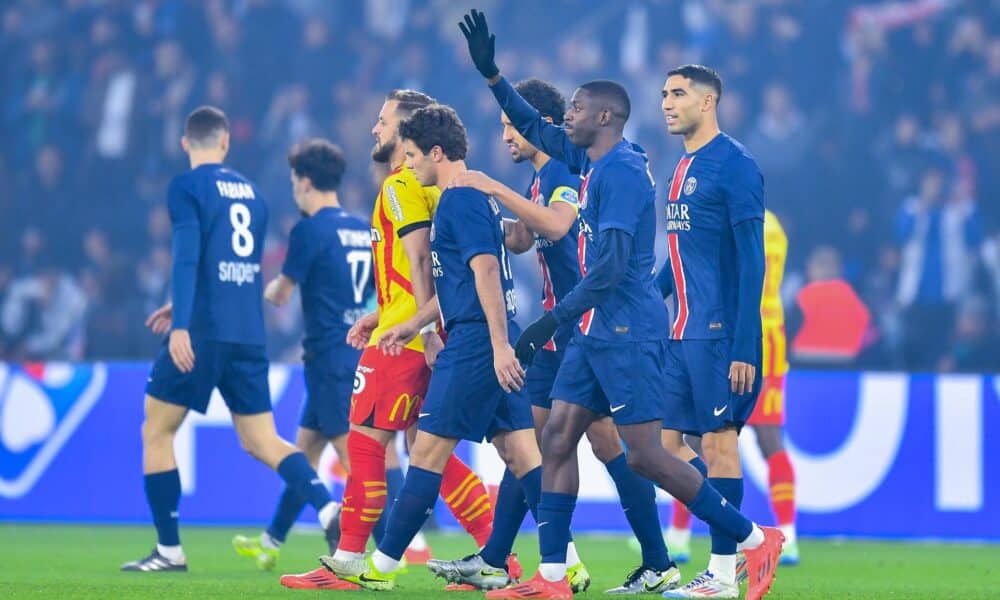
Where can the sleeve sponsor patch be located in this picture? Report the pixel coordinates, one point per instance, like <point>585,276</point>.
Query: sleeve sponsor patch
<point>394,205</point>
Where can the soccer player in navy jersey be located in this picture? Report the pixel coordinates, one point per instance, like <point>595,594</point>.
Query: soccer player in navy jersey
<point>715,271</point>
<point>216,339</point>
<point>473,392</point>
<point>547,216</point>
<point>615,365</point>
<point>329,258</point>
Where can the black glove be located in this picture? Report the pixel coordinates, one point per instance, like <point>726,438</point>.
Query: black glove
<point>482,45</point>
<point>534,337</point>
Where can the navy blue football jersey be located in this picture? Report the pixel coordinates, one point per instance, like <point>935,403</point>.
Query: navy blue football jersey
<point>618,193</point>
<point>330,257</point>
<point>712,190</point>
<point>558,260</point>
<point>232,219</point>
<point>466,224</point>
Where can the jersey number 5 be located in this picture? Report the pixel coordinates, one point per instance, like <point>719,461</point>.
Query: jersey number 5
<point>361,268</point>
<point>239,217</point>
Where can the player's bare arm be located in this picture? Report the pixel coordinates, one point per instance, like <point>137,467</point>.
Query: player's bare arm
<point>397,337</point>
<point>360,333</point>
<point>417,246</point>
<point>486,270</point>
<point>279,290</point>
<point>159,320</point>
<point>517,237</point>
<point>551,222</point>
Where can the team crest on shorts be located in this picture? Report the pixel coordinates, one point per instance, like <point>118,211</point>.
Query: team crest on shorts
<point>432,231</point>
<point>690,186</point>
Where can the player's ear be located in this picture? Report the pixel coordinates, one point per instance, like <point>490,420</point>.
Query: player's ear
<point>185,144</point>
<point>224,142</point>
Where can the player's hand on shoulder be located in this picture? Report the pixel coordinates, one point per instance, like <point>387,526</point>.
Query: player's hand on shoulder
<point>181,351</point>
<point>433,345</point>
<point>741,377</point>
<point>361,332</point>
<point>509,371</point>
<point>476,180</point>
<point>160,319</point>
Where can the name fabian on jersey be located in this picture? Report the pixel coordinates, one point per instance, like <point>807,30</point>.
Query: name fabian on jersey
<point>678,218</point>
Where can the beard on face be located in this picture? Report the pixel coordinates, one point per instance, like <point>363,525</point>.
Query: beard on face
<point>382,152</point>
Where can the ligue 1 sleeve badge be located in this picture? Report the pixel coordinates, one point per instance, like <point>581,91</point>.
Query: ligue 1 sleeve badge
<point>690,186</point>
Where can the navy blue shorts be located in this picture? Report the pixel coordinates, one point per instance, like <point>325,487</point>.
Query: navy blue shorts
<point>238,370</point>
<point>329,385</point>
<point>541,375</point>
<point>698,395</point>
<point>623,380</point>
<point>465,400</point>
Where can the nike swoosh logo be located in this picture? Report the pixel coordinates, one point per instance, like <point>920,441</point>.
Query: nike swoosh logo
<point>615,409</point>
<point>719,411</point>
<point>652,588</point>
<point>422,415</point>
<point>543,523</point>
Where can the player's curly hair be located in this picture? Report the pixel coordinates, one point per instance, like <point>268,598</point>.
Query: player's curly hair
<point>436,125</point>
<point>544,96</point>
<point>319,160</point>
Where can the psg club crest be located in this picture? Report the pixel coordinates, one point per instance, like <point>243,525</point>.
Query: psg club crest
<point>690,186</point>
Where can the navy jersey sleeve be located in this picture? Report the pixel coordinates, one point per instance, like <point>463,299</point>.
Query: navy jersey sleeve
<point>623,193</point>
<point>183,210</point>
<point>744,187</point>
<point>542,134</point>
<point>302,250</point>
<point>473,225</point>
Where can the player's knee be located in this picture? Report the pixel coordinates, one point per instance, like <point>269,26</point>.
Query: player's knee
<point>557,443</point>
<point>605,445</point>
<point>154,435</point>
<point>641,461</point>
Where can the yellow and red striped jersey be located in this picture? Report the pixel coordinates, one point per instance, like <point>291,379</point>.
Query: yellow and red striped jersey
<point>401,206</point>
<point>771,312</point>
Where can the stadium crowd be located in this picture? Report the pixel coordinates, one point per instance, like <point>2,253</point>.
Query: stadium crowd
<point>876,125</point>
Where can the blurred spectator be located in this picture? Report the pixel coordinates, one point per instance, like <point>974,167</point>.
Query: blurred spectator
<point>940,234</point>
<point>43,316</point>
<point>828,323</point>
<point>975,341</point>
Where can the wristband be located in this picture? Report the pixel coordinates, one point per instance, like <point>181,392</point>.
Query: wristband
<point>431,327</point>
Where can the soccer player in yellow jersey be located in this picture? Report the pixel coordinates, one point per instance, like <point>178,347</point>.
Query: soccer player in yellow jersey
<point>769,413</point>
<point>389,390</point>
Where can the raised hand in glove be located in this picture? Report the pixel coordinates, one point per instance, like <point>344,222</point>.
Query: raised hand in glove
<point>534,337</point>
<point>482,45</point>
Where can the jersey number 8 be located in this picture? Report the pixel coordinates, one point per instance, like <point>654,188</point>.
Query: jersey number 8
<point>239,217</point>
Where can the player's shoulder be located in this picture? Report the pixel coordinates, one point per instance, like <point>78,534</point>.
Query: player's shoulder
<point>735,154</point>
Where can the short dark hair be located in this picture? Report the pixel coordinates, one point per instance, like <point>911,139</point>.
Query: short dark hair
<point>409,101</point>
<point>613,94</point>
<point>544,97</point>
<point>320,160</point>
<point>700,74</point>
<point>436,125</point>
<point>204,123</point>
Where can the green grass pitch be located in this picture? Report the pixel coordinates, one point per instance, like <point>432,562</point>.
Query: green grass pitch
<point>65,561</point>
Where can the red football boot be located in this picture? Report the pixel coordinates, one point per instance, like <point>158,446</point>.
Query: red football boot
<point>536,587</point>
<point>762,562</point>
<point>317,579</point>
